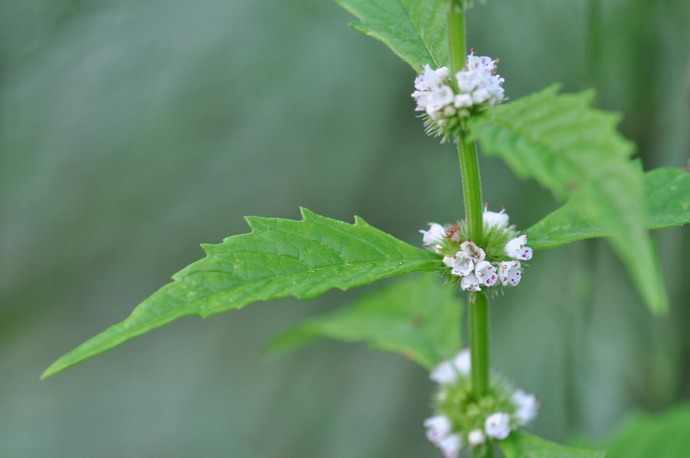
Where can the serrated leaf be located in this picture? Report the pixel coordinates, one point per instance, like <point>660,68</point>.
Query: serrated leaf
<point>663,435</point>
<point>278,258</point>
<point>576,152</point>
<point>415,30</point>
<point>521,445</point>
<point>417,317</point>
<point>666,199</point>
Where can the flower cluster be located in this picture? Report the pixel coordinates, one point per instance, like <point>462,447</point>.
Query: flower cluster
<point>446,100</point>
<point>496,264</point>
<point>463,420</point>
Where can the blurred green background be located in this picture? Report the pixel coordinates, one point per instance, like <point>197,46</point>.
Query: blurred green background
<point>132,131</point>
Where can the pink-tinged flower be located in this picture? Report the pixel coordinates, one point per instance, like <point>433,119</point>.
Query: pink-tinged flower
<point>510,273</point>
<point>486,273</point>
<point>517,248</point>
<point>470,283</point>
<point>459,264</point>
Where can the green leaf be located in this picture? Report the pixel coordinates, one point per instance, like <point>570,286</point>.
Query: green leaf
<point>278,258</point>
<point>660,436</point>
<point>415,30</point>
<point>521,445</point>
<point>576,152</point>
<point>416,316</point>
<point>666,198</point>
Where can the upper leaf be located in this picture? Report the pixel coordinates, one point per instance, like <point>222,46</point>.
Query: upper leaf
<point>521,445</point>
<point>663,435</point>
<point>279,258</point>
<point>666,198</point>
<point>416,316</point>
<point>576,152</point>
<point>415,30</point>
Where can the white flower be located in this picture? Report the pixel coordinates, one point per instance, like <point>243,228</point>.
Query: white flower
<point>444,374</point>
<point>476,437</point>
<point>497,425</point>
<point>430,78</point>
<point>463,101</point>
<point>479,81</point>
<point>441,96</point>
<point>468,82</point>
<point>527,406</point>
<point>471,250</point>
<point>510,273</point>
<point>486,273</point>
<point>462,362</point>
<point>482,63</point>
<point>437,428</point>
<point>517,248</point>
<point>477,86</point>
<point>460,264</point>
<point>434,236</point>
<point>447,372</point>
<point>432,93</point>
<point>480,95</point>
<point>498,219</point>
<point>470,283</point>
<point>450,446</point>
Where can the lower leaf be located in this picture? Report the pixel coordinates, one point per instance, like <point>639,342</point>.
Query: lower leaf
<point>521,445</point>
<point>417,317</point>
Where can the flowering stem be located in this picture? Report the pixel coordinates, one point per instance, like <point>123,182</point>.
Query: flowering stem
<point>472,194</point>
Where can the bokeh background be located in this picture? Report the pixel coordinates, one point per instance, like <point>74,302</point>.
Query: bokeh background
<point>132,131</point>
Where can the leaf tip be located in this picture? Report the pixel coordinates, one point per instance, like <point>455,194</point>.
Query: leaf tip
<point>57,366</point>
<point>659,305</point>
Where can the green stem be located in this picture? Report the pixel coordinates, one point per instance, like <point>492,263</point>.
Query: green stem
<point>456,38</point>
<point>479,343</point>
<point>472,195</point>
<point>471,188</point>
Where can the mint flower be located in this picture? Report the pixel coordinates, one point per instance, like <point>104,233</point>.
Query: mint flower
<point>527,406</point>
<point>445,101</point>
<point>474,267</point>
<point>470,283</point>
<point>451,446</point>
<point>437,428</point>
<point>469,250</point>
<point>463,420</point>
<point>497,425</point>
<point>517,248</point>
<point>497,219</point>
<point>433,237</point>
<point>476,437</point>
<point>459,264</point>
<point>510,273</point>
<point>486,273</point>
<point>447,372</point>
